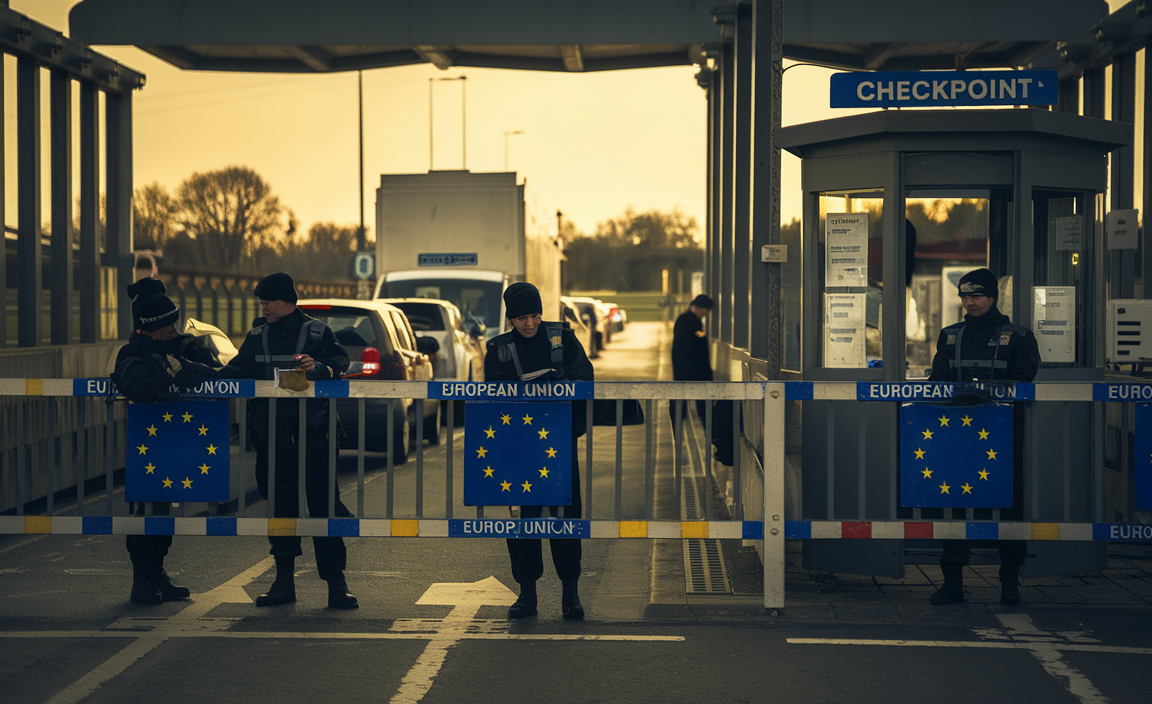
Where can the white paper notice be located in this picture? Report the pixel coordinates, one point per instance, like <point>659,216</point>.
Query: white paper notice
<point>847,255</point>
<point>1066,233</point>
<point>844,330</point>
<point>1054,310</point>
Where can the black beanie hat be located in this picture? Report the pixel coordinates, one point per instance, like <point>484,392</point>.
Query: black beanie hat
<point>702,301</point>
<point>150,307</point>
<point>522,298</point>
<point>979,281</point>
<point>276,287</point>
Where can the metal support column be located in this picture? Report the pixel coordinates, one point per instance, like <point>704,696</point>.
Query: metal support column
<point>1094,93</point>
<point>1146,197</point>
<point>1068,96</point>
<point>89,212</point>
<point>764,340</point>
<point>715,162</point>
<point>741,235</point>
<point>61,141</point>
<point>723,292</point>
<point>1122,274</point>
<point>3,222</point>
<point>28,255</point>
<point>118,251</point>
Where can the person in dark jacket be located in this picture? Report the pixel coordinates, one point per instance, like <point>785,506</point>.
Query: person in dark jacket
<point>527,348</point>
<point>690,359</point>
<point>286,338</point>
<point>985,346</point>
<point>155,358</point>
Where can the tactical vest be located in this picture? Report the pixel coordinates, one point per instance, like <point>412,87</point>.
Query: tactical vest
<point>555,332</point>
<point>309,330</point>
<point>1004,341</point>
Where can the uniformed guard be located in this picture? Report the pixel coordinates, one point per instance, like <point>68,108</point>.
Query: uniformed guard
<point>155,358</point>
<point>985,346</point>
<point>509,357</point>
<point>690,359</point>
<point>286,338</point>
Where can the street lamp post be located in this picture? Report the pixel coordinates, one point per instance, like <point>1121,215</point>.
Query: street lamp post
<point>506,136</point>
<point>463,119</point>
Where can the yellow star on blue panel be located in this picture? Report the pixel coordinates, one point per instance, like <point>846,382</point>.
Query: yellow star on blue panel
<point>151,430</point>
<point>919,453</point>
<point>167,483</point>
<point>967,421</point>
<point>506,419</point>
<point>944,488</point>
<point>490,432</point>
<point>551,452</point>
<point>544,472</point>
<point>187,483</point>
<point>481,452</point>
<point>211,449</point>
<point>204,468</point>
<point>527,487</point>
<point>527,419</point>
<point>187,417</point>
<point>983,434</point>
<point>983,474</point>
<point>149,468</point>
<point>927,434</point>
<point>505,486</point>
<point>543,434</point>
<point>943,421</point>
<point>142,449</point>
<point>167,417</point>
<point>927,473</point>
<point>966,487</point>
<point>991,454</point>
<point>488,471</point>
<point>203,429</point>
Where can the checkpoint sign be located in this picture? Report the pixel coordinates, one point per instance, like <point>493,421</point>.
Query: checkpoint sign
<point>922,89</point>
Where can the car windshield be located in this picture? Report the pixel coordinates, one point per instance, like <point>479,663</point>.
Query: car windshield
<point>422,316</point>
<point>479,301</point>
<point>353,328</point>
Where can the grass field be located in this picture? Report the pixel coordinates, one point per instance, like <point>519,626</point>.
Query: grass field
<point>640,305</point>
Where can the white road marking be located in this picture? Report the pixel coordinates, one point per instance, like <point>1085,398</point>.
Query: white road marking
<point>1019,634</point>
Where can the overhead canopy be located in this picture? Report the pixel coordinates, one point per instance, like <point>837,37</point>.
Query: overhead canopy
<point>311,36</point>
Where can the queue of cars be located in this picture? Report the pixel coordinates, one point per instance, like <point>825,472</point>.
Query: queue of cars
<point>382,337</point>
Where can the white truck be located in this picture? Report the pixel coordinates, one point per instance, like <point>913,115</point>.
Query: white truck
<point>463,237</point>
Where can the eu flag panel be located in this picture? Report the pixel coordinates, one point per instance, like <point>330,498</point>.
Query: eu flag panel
<point>517,454</point>
<point>956,456</point>
<point>177,451</point>
<point>1143,473</point>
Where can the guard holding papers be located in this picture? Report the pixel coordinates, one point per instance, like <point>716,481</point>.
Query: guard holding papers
<point>541,351</point>
<point>985,346</point>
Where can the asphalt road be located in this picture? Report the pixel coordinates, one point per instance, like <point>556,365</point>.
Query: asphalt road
<point>431,627</point>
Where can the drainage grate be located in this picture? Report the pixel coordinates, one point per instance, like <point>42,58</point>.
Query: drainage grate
<point>704,568</point>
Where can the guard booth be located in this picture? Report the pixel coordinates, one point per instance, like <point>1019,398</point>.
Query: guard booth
<point>898,205</point>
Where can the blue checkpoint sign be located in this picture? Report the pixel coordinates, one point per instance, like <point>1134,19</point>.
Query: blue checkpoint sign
<point>923,89</point>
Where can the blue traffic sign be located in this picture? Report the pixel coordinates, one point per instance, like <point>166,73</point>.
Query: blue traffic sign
<point>451,259</point>
<point>914,89</point>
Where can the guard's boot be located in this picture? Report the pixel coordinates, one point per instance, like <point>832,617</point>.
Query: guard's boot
<point>1009,585</point>
<point>338,596</point>
<point>525,605</point>
<point>283,589</point>
<point>952,591</point>
<point>570,606</point>
<point>168,590</point>
<point>143,590</point>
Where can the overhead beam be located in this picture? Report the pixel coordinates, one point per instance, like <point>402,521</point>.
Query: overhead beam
<point>876,60</point>
<point>434,55</point>
<point>573,57</point>
<point>313,57</point>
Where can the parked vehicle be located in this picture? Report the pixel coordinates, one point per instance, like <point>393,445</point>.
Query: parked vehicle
<point>439,319</point>
<point>579,322</point>
<point>598,312</point>
<point>617,317</point>
<point>381,346</point>
<point>462,237</point>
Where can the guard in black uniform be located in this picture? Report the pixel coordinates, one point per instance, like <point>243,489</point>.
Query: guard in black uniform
<point>690,360</point>
<point>530,346</point>
<point>287,338</point>
<point>155,358</point>
<point>984,346</point>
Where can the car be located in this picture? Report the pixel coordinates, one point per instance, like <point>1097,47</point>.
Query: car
<point>381,346</point>
<point>617,317</point>
<point>579,323</point>
<point>457,359</point>
<point>601,327</point>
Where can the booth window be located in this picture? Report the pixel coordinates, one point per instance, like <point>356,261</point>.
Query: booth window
<point>850,265</point>
<point>1063,231</point>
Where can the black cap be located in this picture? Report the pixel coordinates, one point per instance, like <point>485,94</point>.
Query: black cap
<point>702,301</point>
<point>522,298</point>
<point>981,282</point>
<point>276,287</point>
<point>151,309</point>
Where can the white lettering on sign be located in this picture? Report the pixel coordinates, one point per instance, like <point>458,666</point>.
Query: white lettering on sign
<point>1130,532</point>
<point>1130,392</point>
<point>911,91</point>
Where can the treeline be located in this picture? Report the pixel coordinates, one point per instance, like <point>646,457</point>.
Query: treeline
<point>230,221</point>
<point>629,253</point>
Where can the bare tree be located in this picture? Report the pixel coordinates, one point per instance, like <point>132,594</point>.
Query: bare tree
<point>153,216</point>
<point>231,214</point>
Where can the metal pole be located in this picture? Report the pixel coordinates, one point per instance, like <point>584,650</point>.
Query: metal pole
<point>361,235</point>
<point>772,555</point>
<point>430,124</point>
<point>464,122</point>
